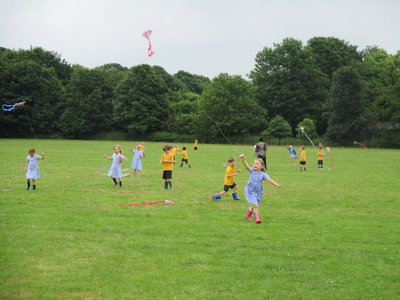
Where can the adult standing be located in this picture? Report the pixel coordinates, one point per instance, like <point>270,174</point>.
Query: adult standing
<point>261,149</point>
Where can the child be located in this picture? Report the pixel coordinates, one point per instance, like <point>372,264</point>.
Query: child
<point>137,160</point>
<point>254,189</point>
<point>32,168</point>
<point>168,164</point>
<point>320,155</point>
<point>228,180</point>
<point>292,152</point>
<point>185,157</point>
<point>195,145</point>
<point>303,159</point>
<point>115,171</point>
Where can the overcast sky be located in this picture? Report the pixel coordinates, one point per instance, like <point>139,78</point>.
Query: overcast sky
<point>204,37</point>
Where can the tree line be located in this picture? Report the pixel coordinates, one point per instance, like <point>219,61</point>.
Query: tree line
<point>327,86</point>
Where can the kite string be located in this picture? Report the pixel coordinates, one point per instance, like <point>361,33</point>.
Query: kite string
<point>204,112</point>
<point>33,131</point>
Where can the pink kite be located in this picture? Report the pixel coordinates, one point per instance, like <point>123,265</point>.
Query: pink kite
<point>147,35</point>
<point>147,203</point>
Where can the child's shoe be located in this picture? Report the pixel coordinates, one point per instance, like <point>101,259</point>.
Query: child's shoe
<point>258,221</point>
<point>248,215</point>
<point>216,197</point>
<point>235,197</point>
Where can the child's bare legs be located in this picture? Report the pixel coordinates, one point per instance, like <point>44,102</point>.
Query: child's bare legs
<point>234,194</point>
<point>135,173</point>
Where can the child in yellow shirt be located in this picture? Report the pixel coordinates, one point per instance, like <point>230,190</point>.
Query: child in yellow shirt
<point>195,145</point>
<point>320,155</point>
<point>167,161</point>
<point>303,159</point>
<point>185,157</point>
<point>228,180</point>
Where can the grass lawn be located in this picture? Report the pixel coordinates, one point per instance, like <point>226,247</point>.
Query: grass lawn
<point>331,234</point>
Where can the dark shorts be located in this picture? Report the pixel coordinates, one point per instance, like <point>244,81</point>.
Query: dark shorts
<point>185,160</point>
<point>167,174</point>
<point>303,162</point>
<point>227,187</point>
<point>320,162</point>
<point>195,148</point>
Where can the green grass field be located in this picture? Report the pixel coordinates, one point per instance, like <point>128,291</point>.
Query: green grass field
<point>331,234</point>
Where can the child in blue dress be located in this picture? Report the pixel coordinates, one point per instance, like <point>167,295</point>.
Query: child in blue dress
<point>115,171</point>
<point>32,168</point>
<point>253,191</point>
<point>292,153</point>
<point>136,164</point>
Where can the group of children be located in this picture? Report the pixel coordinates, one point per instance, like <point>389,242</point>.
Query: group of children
<point>303,157</point>
<point>253,191</point>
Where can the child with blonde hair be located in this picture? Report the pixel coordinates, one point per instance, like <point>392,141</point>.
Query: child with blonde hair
<point>136,164</point>
<point>254,189</point>
<point>32,168</point>
<point>115,171</point>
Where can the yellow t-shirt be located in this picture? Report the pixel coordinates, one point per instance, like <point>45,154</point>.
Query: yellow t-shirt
<point>167,166</point>
<point>184,154</point>
<point>229,180</point>
<point>303,155</point>
<point>195,144</point>
<point>142,148</point>
<point>320,155</point>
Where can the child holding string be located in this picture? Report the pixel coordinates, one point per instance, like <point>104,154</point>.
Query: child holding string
<point>253,191</point>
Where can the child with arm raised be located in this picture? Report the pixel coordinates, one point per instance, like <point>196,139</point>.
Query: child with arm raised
<point>253,191</point>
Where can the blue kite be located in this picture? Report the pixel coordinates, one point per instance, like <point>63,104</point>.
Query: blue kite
<point>10,107</point>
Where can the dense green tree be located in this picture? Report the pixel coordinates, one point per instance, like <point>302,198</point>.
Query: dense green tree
<point>227,107</point>
<point>309,128</point>
<point>141,105</point>
<point>89,104</point>
<point>193,83</point>
<point>278,127</point>
<point>38,85</point>
<point>287,82</point>
<point>331,53</point>
<point>346,120</point>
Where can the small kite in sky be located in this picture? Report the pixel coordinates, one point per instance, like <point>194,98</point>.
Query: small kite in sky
<point>147,35</point>
<point>10,107</point>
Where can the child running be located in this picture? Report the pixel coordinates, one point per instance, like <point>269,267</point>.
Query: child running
<point>253,191</point>
<point>196,142</point>
<point>32,168</point>
<point>115,171</point>
<point>303,159</point>
<point>228,180</point>
<point>167,161</point>
<point>292,153</point>
<point>185,157</point>
<point>320,155</point>
<point>136,164</point>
